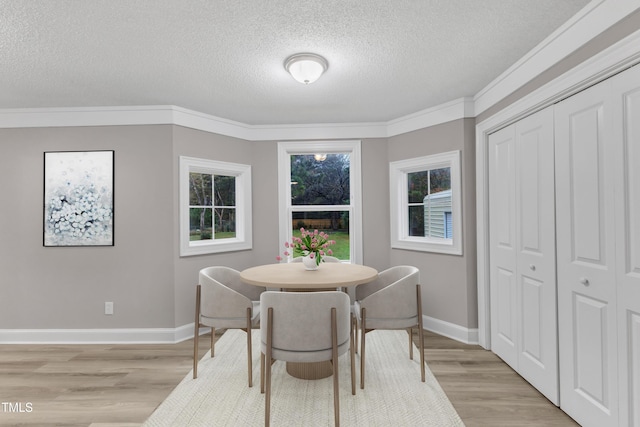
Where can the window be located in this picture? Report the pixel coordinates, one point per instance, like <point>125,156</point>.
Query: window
<point>215,206</point>
<point>319,188</point>
<point>425,203</point>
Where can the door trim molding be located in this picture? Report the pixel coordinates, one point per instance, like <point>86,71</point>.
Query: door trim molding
<point>618,57</point>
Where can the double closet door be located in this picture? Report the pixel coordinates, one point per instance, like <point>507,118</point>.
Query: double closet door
<point>565,251</point>
<point>598,242</point>
<point>522,244</point>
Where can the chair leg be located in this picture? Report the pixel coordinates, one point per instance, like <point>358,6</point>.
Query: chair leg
<point>355,332</point>
<point>267,400</point>
<point>420,332</point>
<point>249,355</point>
<point>261,372</point>
<point>196,334</point>
<point>213,341</point>
<point>336,388</point>
<point>410,331</point>
<point>352,353</point>
<point>363,332</point>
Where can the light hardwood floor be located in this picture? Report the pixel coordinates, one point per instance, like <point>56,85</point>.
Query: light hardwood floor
<point>121,385</point>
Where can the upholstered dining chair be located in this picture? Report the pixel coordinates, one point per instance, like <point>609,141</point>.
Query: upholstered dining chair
<point>392,301</point>
<point>223,300</point>
<point>305,327</point>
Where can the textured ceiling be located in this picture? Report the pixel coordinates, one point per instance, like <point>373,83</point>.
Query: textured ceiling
<point>387,58</point>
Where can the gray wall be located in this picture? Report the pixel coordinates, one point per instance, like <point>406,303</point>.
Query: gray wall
<point>375,203</point>
<point>66,287</point>
<point>143,274</point>
<point>449,281</point>
<point>194,143</point>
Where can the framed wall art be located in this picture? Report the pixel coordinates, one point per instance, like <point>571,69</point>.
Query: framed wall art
<point>78,198</point>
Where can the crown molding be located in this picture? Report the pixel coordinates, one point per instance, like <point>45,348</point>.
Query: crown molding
<point>453,110</point>
<point>592,20</point>
<point>85,116</point>
<point>174,115</point>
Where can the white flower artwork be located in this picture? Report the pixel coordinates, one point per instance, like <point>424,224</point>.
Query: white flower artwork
<point>78,198</point>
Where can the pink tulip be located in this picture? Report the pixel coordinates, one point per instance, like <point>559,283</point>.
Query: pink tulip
<point>278,258</point>
<point>286,244</point>
<point>286,253</point>
<point>330,252</point>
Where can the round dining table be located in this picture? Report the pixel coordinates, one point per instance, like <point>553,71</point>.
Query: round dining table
<point>294,276</point>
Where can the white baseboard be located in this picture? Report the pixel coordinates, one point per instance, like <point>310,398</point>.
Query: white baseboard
<point>174,335</point>
<point>98,336</point>
<point>450,330</point>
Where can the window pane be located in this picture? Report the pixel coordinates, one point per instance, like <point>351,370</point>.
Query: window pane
<point>430,216</point>
<point>334,223</point>
<point>199,189</point>
<point>418,186</point>
<point>225,223</point>
<point>416,220</point>
<point>200,224</point>
<point>321,179</point>
<point>225,190</point>
<point>436,208</point>
<point>440,180</point>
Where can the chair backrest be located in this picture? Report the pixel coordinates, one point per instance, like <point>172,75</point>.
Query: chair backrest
<point>224,294</point>
<point>394,306</point>
<point>302,321</point>
<point>390,276</point>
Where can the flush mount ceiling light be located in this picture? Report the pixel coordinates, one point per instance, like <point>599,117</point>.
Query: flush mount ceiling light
<point>306,67</point>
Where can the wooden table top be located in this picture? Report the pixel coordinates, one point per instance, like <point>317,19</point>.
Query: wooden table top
<point>295,276</point>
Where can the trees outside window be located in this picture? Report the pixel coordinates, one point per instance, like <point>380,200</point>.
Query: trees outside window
<point>212,209</point>
<point>215,206</point>
<point>319,189</point>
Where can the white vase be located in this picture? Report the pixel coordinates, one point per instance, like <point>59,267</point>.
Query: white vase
<point>310,263</point>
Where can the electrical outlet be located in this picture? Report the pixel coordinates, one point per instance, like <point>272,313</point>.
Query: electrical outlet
<point>108,307</point>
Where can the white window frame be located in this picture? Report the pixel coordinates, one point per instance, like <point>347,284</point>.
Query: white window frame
<point>285,150</point>
<point>398,176</point>
<point>243,239</point>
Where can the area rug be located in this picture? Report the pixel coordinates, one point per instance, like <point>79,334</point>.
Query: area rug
<point>393,394</point>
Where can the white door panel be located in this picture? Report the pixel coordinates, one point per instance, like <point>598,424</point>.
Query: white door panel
<point>503,245</point>
<point>590,331</point>
<point>536,256</point>
<point>522,244</point>
<point>532,296</point>
<point>506,298</point>
<point>630,376</point>
<point>585,221</point>
<point>626,90</point>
